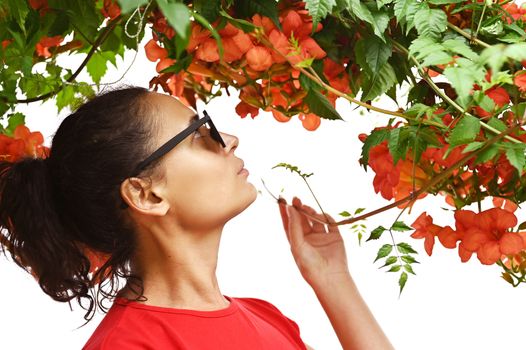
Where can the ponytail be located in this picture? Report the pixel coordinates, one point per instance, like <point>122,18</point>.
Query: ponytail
<point>61,218</point>
<point>34,232</point>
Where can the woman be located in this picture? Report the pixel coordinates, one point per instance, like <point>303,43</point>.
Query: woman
<point>137,187</point>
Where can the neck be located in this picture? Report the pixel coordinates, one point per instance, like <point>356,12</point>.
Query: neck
<point>179,270</point>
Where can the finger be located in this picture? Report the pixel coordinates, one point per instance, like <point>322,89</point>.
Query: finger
<point>333,228</point>
<point>282,203</point>
<point>316,226</point>
<point>325,218</point>
<point>296,233</point>
<point>305,223</point>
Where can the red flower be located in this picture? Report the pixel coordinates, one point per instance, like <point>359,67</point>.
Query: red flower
<point>110,9</point>
<point>243,109</point>
<point>208,51</point>
<point>47,42</point>
<point>310,121</point>
<point>259,58</point>
<point>424,228</point>
<point>24,143</point>
<point>154,51</point>
<point>520,80</point>
<point>280,117</point>
<point>487,234</point>
<point>40,5</point>
<point>499,95</point>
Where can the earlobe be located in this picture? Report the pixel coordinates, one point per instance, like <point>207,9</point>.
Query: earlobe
<point>140,196</point>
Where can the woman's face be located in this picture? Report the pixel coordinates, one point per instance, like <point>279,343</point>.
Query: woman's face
<point>200,177</point>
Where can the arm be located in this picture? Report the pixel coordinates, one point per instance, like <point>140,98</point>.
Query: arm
<point>321,258</point>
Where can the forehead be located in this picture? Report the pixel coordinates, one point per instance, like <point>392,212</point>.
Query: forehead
<point>173,114</point>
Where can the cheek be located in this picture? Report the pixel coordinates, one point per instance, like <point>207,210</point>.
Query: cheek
<point>207,183</point>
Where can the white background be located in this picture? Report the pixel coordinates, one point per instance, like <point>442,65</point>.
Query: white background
<point>448,305</point>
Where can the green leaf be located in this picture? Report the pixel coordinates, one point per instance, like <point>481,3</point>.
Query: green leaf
<point>204,22</point>
<point>358,211</point>
<point>248,8</point>
<point>461,82</point>
<point>395,268</point>
<point>473,146</point>
<point>209,9</point>
<point>465,131</point>
<point>382,3</point>
<point>65,97</point>
<point>402,281</point>
<point>400,226</point>
<point>444,2</point>
<point>384,251</point>
<point>245,26</point>
<point>97,67</point>
<point>516,52</point>
<point>393,143</point>
<point>402,9</point>
<point>128,5</point>
<point>372,54</point>
<point>177,15</point>
<point>379,83</point>
<point>483,100</point>
<point>18,10</point>
<point>409,269</point>
<point>14,120</point>
<point>376,233</point>
<point>389,261</point>
<point>376,137</point>
<point>436,58</point>
<point>405,248</point>
<point>345,214</point>
<point>489,153</point>
<point>319,9</point>
<point>459,46</point>
<point>409,259</point>
<point>515,154</point>
<point>378,19</point>
<point>430,22</point>
<point>319,105</point>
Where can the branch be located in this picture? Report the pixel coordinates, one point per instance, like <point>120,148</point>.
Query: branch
<point>443,95</point>
<point>414,195</point>
<point>100,40</point>
<point>267,43</point>
<point>466,35</point>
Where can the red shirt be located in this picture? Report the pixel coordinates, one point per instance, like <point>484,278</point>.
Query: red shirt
<point>247,323</point>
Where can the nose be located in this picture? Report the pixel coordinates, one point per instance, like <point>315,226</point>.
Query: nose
<point>231,141</point>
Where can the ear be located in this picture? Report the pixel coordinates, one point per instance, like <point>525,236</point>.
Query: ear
<point>141,196</point>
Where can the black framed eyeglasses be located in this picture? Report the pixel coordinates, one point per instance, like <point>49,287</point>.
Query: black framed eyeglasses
<point>174,141</point>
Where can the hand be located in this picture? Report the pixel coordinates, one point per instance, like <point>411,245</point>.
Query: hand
<point>318,251</point>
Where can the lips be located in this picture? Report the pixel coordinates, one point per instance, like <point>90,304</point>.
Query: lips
<point>242,167</point>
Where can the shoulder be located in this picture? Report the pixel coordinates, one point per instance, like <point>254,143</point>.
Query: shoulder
<point>267,310</point>
<point>112,333</point>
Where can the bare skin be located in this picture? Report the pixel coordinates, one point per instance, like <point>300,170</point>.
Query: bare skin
<point>180,213</point>
<point>181,216</point>
<point>319,252</point>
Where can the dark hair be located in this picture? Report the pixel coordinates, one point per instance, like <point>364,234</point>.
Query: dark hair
<point>52,210</point>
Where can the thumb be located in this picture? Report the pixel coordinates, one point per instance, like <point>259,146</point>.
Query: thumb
<point>282,203</point>
<point>296,233</point>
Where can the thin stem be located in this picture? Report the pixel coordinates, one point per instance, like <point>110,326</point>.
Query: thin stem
<point>443,95</point>
<point>480,20</point>
<point>338,93</point>
<point>467,35</point>
<point>414,195</point>
<point>316,199</point>
<point>100,40</point>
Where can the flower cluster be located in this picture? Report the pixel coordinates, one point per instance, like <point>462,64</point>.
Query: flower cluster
<point>260,64</point>
<point>23,143</point>
<point>488,233</point>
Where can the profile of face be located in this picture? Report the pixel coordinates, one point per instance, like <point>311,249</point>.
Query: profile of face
<point>198,186</point>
